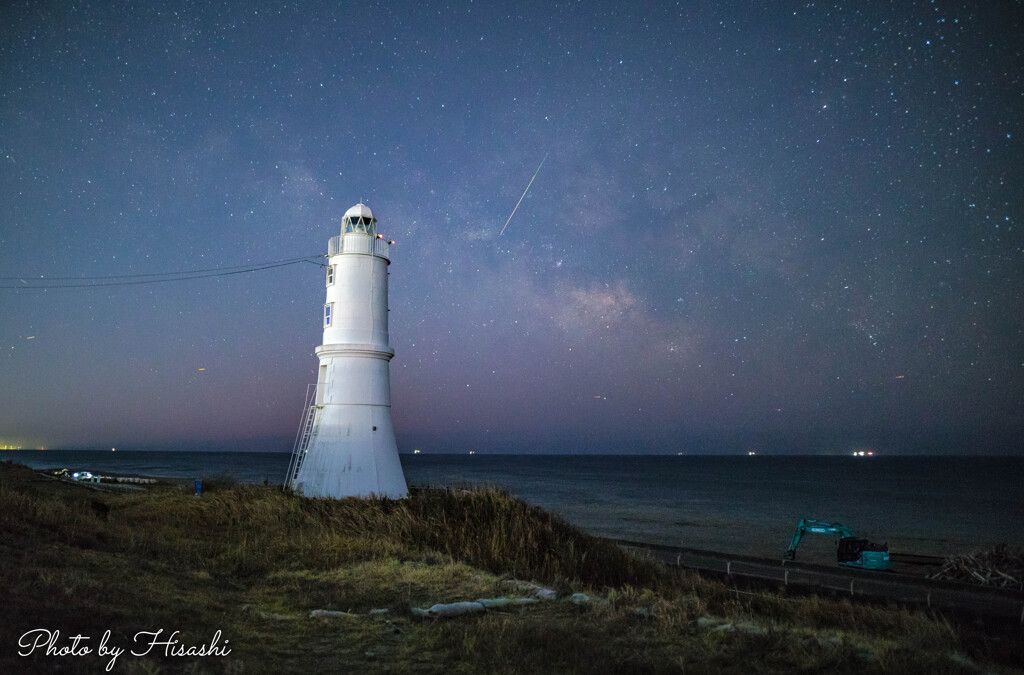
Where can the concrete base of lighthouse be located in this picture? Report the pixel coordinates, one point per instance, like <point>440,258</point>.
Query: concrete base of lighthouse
<point>352,451</point>
<point>354,454</point>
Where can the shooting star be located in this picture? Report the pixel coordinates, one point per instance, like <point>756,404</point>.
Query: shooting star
<point>524,195</point>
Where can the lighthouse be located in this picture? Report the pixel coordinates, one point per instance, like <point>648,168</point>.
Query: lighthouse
<point>345,446</point>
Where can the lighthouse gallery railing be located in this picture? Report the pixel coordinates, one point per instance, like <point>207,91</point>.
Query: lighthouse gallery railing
<point>358,244</point>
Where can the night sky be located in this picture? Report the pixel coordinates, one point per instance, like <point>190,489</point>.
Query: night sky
<point>775,227</point>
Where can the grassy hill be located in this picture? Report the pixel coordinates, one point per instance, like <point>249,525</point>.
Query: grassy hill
<point>238,571</point>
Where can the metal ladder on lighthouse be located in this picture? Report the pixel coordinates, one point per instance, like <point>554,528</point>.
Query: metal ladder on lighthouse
<point>306,429</point>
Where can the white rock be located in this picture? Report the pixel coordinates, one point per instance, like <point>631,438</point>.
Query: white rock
<point>328,614</point>
<point>450,609</point>
<point>536,591</point>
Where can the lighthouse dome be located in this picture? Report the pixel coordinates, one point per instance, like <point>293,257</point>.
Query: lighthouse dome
<point>359,220</point>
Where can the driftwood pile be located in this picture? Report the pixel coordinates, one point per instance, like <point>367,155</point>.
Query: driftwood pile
<point>995,566</point>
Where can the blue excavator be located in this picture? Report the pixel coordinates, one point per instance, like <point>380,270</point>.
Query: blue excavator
<point>851,552</point>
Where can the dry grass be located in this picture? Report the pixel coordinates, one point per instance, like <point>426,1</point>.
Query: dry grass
<point>504,535</point>
<point>252,562</point>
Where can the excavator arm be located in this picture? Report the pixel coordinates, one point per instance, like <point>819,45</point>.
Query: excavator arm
<point>814,527</point>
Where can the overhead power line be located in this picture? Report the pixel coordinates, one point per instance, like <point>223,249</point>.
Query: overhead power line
<point>42,283</point>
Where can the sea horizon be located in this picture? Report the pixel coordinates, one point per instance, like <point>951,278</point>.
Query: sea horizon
<point>738,453</point>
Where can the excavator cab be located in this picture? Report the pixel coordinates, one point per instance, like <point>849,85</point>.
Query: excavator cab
<point>857,552</point>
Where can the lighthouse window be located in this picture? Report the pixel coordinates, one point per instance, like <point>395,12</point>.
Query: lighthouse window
<point>330,274</point>
<point>359,225</point>
<point>327,313</point>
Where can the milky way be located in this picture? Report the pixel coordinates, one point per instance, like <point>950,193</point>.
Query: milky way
<point>759,227</point>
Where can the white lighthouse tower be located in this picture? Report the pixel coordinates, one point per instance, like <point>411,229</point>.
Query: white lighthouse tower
<point>346,445</point>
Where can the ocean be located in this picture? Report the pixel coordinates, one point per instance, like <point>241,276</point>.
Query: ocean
<point>747,505</point>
